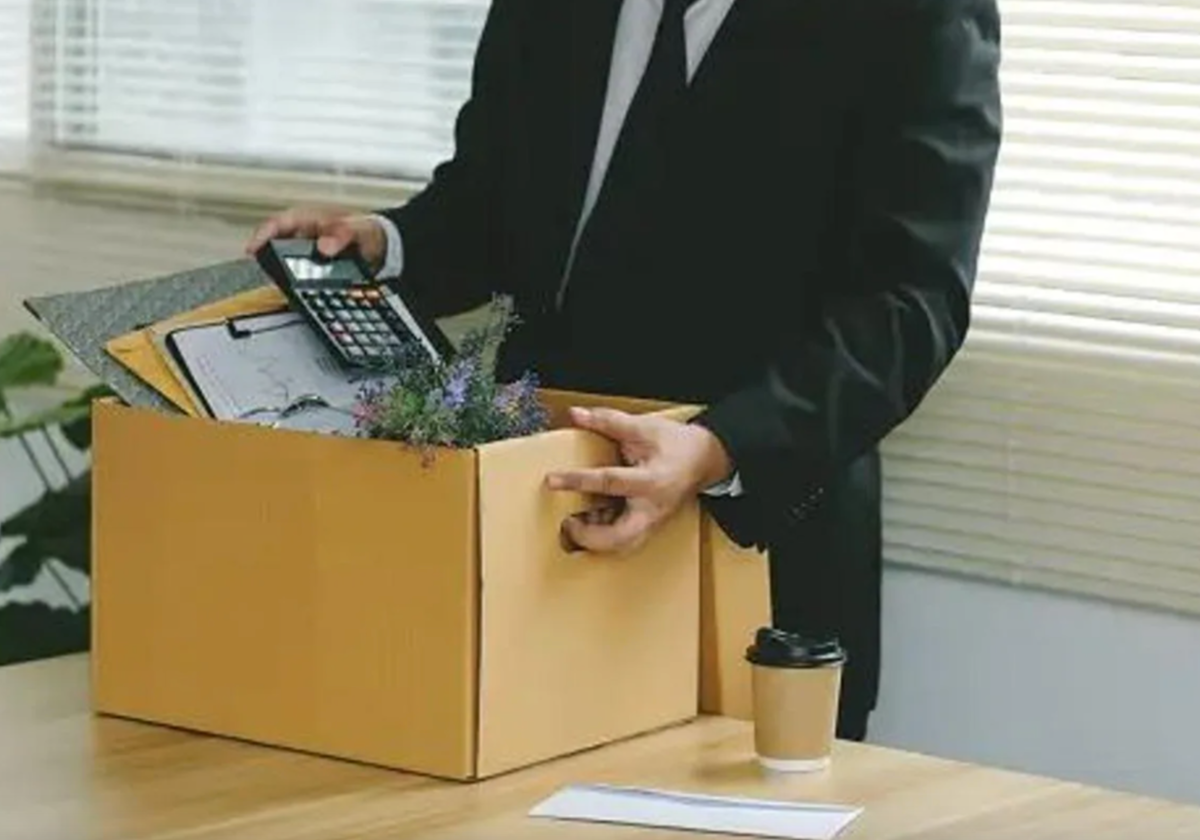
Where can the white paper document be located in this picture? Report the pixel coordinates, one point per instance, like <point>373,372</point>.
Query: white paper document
<point>270,369</point>
<point>697,812</point>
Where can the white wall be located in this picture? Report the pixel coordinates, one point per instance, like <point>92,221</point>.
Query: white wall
<point>1039,682</point>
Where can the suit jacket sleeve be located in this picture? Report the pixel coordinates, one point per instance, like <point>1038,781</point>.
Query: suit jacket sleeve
<point>930,120</point>
<point>451,237</point>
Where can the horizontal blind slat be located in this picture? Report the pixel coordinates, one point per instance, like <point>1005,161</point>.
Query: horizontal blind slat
<point>344,87</point>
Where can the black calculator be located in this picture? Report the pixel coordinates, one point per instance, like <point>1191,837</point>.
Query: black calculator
<point>364,322</point>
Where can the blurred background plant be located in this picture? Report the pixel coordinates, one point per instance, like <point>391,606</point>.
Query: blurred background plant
<point>53,532</point>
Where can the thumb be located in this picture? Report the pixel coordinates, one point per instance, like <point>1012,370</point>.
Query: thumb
<point>335,237</point>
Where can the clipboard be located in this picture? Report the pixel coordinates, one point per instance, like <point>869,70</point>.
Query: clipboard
<point>269,369</point>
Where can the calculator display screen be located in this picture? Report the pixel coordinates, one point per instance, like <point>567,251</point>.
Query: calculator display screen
<point>303,268</point>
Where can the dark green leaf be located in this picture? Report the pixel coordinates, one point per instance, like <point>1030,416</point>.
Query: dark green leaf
<point>21,567</point>
<point>28,360</point>
<point>58,525</point>
<point>30,632</point>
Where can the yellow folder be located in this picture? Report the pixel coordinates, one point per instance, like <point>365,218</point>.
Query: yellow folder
<point>138,352</point>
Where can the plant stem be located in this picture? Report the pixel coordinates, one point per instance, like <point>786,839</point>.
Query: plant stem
<point>50,566</point>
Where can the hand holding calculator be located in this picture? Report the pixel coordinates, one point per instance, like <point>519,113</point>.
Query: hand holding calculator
<point>364,322</point>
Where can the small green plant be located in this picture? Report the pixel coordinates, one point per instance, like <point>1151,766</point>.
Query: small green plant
<point>55,527</point>
<point>455,404</point>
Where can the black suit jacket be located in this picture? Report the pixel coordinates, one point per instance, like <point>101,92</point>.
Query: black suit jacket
<point>806,270</point>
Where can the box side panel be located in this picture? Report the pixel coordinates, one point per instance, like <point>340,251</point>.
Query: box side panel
<point>736,599</point>
<point>298,590</point>
<point>577,650</point>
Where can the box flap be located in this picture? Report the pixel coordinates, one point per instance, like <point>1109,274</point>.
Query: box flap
<point>735,602</point>
<point>576,649</point>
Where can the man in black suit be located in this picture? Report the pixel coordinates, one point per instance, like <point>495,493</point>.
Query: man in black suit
<point>772,208</point>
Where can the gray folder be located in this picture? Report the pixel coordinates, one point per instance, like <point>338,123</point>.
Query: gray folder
<point>85,321</point>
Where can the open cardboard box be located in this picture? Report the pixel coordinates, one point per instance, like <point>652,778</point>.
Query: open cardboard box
<point>343,597</point>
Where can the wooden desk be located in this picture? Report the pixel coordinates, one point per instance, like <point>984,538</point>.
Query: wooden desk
<point>65,775</point>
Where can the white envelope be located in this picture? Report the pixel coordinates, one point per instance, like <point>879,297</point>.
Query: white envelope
<point>697,812</point>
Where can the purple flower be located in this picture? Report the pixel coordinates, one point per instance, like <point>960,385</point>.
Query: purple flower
<point>507,400</point>
<point>457,405</point>
<point>455,393</point>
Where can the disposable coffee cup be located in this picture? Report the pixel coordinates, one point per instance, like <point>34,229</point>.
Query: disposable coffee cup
<point>796,682</point>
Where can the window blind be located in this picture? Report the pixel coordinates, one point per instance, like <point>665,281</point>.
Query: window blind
<point>1063,448</point>
<point>334,86</point>
<point>14,69</point>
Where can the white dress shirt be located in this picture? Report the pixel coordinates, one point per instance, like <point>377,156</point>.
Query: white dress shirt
<point>634,42</point>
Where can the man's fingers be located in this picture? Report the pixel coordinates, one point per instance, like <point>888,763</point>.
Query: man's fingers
<point>335,238</point>
<point>617,425</point>
<point>293,222</point>
<point>604,481</point>
<point>265,232</point>
<point>280,226</point>
<point>626,533</point>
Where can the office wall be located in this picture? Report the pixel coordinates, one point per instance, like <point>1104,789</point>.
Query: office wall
<point>1039,682</point>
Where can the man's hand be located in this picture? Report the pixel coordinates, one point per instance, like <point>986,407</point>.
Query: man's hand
<point>333,229</point>
<point>666,463</point>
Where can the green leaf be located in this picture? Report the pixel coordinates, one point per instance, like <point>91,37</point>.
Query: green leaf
<point>64,415</point>
<point>36,631</point>
<point>57,526</point>
<point>27,360</point>
<point>79,431</point>
<point>74,417</point>
<point>21,568</point>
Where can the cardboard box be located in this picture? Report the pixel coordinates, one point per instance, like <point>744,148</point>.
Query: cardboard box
<point>340,596</point>
<point>735,602</point>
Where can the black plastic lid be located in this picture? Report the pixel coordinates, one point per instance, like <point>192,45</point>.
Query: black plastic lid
<point>779,649</point>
